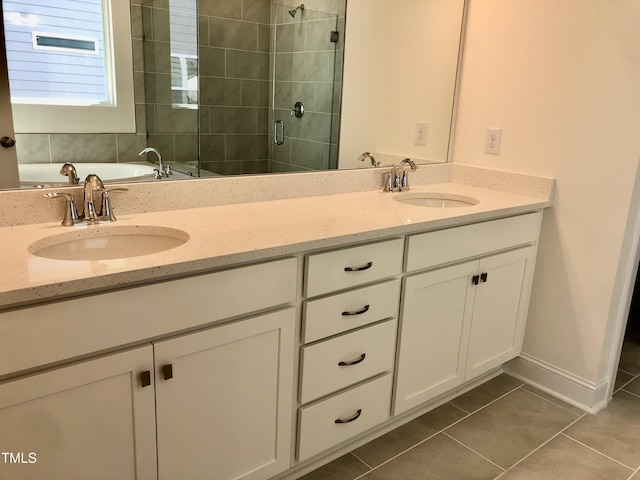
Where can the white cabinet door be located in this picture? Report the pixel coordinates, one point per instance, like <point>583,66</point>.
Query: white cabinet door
<point>225,408</point>
<point>92,419</point>
<point>500,309</point>
<point>435,319</point>
<point>460,322</point>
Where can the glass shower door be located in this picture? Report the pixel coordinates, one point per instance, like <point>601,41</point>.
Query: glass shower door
<point>304,90</point>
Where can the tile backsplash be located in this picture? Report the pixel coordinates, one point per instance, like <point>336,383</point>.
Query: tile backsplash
<point>78,147</point>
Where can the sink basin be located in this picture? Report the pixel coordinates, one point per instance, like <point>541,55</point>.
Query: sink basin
<point>108,243</point>
<point>436,200</point>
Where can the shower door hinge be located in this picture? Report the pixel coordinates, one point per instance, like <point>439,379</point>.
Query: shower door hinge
<point>335,36</point>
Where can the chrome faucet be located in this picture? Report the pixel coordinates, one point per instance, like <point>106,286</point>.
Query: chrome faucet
<point>92,185</point>
<point>397,177</point>
<point>163,171</point>
<point>68,170</point>
<point>371,158</point>
<point>404,180</point>
<point>94,211</point>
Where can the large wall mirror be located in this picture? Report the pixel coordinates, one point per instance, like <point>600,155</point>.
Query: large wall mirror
<point>228,87</point>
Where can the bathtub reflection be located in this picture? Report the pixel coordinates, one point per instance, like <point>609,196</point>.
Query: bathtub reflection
<point>49,173</point>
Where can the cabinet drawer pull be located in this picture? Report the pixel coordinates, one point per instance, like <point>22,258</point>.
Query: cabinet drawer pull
<point>167,371</point>
<point>475,279</point>
<point>350,419</point>
<point>145,378</point>
<point>483,277</point>
<point>354,362</point>
<point>364,309</point>
<point>359,269</point>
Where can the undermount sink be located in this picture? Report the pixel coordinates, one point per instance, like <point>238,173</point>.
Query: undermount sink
<point>436,200</point>
<point>108,243</point>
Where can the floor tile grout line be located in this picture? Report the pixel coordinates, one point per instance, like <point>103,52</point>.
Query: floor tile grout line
<point>625,384</point>
<point>631,393</point>
<point>628,372</point>
<point>596,451</point>
<point>468,414</point>
<point>552,402</point>
<point>542,445</point>
<point>487,404</point>
<point>472,450</point>
<point>361,460</point>
<point>373,469</point>
<point>634,473</point>
<point>459,408</point>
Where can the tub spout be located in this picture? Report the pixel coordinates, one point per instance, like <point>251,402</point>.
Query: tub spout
<point>163,171</point>
<point>68,170</point>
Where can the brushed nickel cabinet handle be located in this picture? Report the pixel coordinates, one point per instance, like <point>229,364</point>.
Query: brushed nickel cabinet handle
<point>354,362</point>
<point>364,309</point>
<point>350,419</point>
<point>359,269</point>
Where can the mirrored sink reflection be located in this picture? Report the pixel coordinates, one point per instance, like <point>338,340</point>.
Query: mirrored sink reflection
<point>436,200</point>
<point>108,243</point>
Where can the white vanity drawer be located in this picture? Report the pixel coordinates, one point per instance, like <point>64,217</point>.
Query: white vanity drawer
<point>459,243</point>
<point>348,359</point>
<point>346,311</point>
<point>40,335</point>
<point>334,420</point>
<point>349,267</point>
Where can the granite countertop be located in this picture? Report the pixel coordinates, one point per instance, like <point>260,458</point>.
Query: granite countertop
<point>227,235</point>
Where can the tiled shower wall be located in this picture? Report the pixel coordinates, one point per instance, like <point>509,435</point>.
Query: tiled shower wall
<point>234,85</point>
<point>308,70</point>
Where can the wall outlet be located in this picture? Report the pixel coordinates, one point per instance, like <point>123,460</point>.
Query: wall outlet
<point>420,136</point>
<point>494,137</point>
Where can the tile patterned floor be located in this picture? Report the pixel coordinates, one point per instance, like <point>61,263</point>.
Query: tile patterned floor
<point>507,430</point>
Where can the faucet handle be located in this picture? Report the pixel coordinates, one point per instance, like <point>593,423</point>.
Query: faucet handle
<point>107,212</point>
<point>404,182</point>
<point>389,180</point>
<point>71,216</point>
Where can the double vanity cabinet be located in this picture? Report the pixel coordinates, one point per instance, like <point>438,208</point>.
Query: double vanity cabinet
<point>254,371</point>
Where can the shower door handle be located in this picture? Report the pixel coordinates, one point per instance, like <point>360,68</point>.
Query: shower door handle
<point>278,140</point>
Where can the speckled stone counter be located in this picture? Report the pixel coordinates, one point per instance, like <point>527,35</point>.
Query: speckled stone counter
<point>244,220</point>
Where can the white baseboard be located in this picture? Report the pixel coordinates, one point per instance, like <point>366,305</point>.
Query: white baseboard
<point>563,385</point>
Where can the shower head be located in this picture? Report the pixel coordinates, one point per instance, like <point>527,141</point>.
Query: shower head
<point>295,10</point>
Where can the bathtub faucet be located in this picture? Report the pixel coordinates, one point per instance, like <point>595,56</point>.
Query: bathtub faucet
<point>68,170</point>
<point>163,171</point>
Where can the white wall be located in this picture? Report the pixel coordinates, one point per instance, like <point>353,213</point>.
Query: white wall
<point>400,66</point>
<point>562,78</point>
